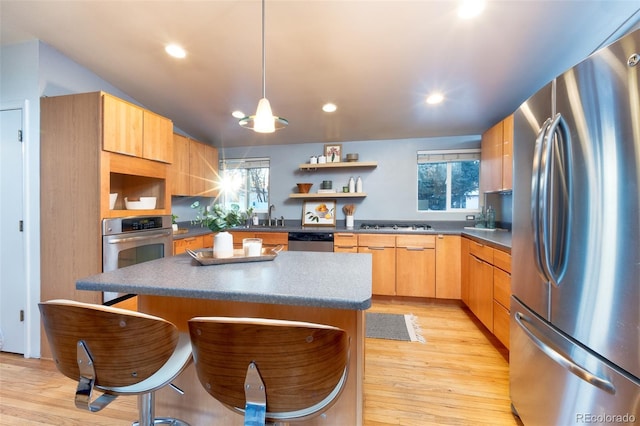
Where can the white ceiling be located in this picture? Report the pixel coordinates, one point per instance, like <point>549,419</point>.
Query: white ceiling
<point>376,60</point>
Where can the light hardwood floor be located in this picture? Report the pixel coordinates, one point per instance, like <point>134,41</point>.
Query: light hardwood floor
<point>460,376</point>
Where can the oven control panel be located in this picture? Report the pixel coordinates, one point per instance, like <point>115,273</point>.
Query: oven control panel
<point>135,224</point>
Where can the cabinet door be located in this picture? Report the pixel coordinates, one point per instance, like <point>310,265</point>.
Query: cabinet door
<point>464,271</point>
<point>448,267</point>
<point>273,239</point>
<point>157,138</point>
<point>179,169</point>
<point>501,323</point>
<point>491,159</point>
<point>416,271</point>
<point>481,290</point>
<point>122,127</point>
<point>203,169</point>
<point>507,153</point>
<point>384,269</point>
<point>191,243</point>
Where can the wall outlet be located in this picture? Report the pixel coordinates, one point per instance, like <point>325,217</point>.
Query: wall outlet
<point>471,217</point>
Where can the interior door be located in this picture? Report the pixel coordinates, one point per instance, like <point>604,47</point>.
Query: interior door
<point>13,292</point>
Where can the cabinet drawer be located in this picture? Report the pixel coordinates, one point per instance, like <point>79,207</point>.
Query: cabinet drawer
<point>501,287</point>
<point>345,239</point>
<point>501,323</point>
<point>191,243</point>
<point>376,240</point>
<point>502,260</point>
<point>273,238</point>
<point>481,251</point>
<point>424,241</point>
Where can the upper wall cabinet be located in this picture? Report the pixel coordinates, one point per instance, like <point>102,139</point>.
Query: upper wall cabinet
<point>194,171</point>
<point>131,130</point>
<point>496,157</point>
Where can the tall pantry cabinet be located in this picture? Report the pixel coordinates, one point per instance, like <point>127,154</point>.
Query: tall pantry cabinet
<point>79,167</point>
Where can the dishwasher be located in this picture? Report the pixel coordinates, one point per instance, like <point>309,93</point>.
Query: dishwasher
<point>311,241</point>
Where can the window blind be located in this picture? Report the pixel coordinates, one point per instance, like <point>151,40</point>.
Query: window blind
<point>244,163</point>
<point>446,156</point>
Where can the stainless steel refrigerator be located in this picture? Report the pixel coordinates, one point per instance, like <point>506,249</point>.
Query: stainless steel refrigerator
<point>575,309</point>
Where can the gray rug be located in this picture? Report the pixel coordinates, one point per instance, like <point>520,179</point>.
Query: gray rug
<point>393,327</point>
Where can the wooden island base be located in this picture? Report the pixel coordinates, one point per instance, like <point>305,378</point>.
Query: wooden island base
<point>197,407</point>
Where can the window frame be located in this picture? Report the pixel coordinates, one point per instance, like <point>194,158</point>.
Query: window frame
<point>245,164</point>
<point>449,157</point>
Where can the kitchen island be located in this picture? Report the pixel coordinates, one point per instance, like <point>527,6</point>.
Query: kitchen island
<point>327,288</point>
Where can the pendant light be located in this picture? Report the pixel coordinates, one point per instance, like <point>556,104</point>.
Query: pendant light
<point>263,121</point>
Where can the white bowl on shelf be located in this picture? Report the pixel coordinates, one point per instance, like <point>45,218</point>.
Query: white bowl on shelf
<point>112,200</point>
<point>145,203</point>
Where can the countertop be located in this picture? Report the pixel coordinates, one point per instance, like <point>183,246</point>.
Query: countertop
<point>329,280</point>
<point>500,238</point>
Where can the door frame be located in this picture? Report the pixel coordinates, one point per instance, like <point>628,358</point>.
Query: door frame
<point>31,217</point>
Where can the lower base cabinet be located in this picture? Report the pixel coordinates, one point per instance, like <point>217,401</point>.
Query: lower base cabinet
<point>383,250</point>
<point>416,265</point>
<point>269,239</point>
<point>192,243</point>
<point>486,286</point>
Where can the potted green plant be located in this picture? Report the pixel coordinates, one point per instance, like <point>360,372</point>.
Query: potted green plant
<point>174,224</point>
<point>217,218</point>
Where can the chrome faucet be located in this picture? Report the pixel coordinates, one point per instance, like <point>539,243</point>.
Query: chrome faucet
<point>271,209</point>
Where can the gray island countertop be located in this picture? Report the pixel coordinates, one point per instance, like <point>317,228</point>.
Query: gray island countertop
<point>330,280</point>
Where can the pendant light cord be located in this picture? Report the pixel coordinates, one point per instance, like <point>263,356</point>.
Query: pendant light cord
<point>264,78</point>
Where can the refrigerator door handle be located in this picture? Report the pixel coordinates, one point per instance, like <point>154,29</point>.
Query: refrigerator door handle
<point>556,157</point>
<point>562,360</point>
<point>535,196</point>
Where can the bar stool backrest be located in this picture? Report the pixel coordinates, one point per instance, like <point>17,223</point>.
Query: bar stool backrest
<point>303,365</point>
<point>126,346</point>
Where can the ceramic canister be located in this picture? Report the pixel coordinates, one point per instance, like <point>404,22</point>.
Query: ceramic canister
<point>223,245</point>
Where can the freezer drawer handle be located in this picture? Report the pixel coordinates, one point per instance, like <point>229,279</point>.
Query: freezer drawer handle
<point>565,362</point>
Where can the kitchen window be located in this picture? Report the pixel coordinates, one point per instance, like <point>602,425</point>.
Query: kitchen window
<point>448,180</point>
<point>245,184</point>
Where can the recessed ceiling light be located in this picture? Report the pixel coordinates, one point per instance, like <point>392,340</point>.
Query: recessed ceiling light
<point>175,51</point>
<point>435,98</point>
<point>329,107</point>
<point>238,114</point>
<point>468,9</point>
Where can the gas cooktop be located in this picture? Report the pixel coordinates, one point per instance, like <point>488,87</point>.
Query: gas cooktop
<point>397,226</point>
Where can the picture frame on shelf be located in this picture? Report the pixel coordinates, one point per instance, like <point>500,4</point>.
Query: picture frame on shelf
<point>319,213</point>
<point>333,152</point>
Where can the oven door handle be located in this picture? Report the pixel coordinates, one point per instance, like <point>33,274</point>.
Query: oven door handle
<point>148,236</point>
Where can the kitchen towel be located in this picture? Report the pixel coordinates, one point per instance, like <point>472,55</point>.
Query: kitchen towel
<point>393,327</point>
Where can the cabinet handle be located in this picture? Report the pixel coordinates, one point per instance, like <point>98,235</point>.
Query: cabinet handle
<point>344,235</point>
<point>375,248</point>
<point>414,248</point>
<point>479,245</point>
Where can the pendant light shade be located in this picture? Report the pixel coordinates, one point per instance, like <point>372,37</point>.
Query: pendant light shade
<point>263,121</point>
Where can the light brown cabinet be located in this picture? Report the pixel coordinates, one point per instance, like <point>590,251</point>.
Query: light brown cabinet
<point>486,286</point>
<point>448,266</point>
<point>269,239</point>
<point>501,295</point>
<point>416,265</point>
<point>76,178</point>
<point>383,251</point>
<point>345,242</point>
<point>192,243</point>
<point>194,171</point>
<point>131,130</point>
<point>496,167</point>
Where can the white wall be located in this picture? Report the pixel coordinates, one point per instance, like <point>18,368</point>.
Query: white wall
<point>391,187</point>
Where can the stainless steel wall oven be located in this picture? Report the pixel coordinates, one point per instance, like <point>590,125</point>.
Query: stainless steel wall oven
<point>131,240</point>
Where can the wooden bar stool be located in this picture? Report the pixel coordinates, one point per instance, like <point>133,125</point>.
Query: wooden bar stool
<point>270,370</point>
<point>117,352</point>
